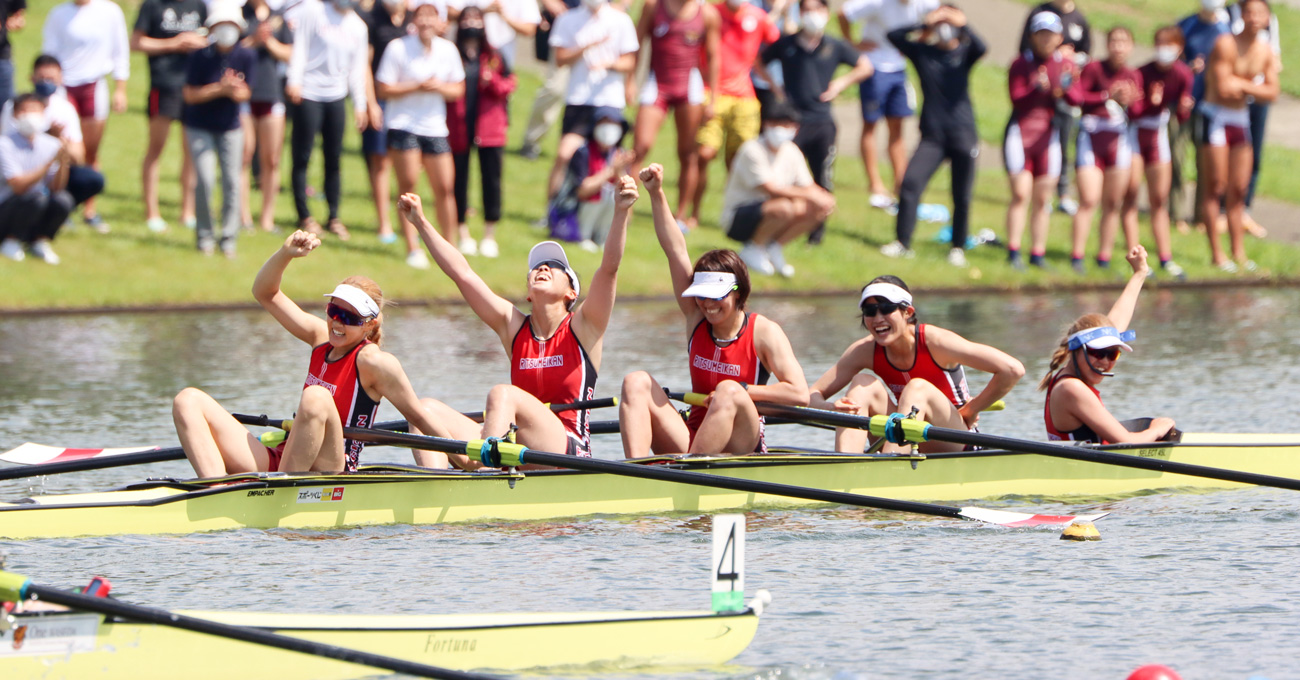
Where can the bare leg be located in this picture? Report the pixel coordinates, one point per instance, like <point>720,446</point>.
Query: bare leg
<point>537,425</point>
<point>246,170</point>
<point>897,151</point>
<point>452,424</point>
<point>1089,179</point>
<point>270,133</point>
<point>870,160</point>
<point>1113,185</point>
<point>1159,179</point>
<point>379,167</point>
<point>214,442</point>
<point>873,398</point>
<point>1021,186</point>
<point>688,124</point>
<point>703,159</point>
<point>648,422</point>
<point>1129,207</point>
<point>442,177</point>
<point>92,132</point>
<point>316,440</point>
<point>1041,213</point>
<point>159,129</point>
<point>569,144</point>
<point>406,165</point>
<point>649,118</point>
<point>731,425</point>
<point>189,180</point>
<point>1215,168</point>
<point>933,407</point>
<point>1240,159</point>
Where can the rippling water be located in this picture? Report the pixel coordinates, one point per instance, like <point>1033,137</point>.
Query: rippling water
<point>1202,582</point>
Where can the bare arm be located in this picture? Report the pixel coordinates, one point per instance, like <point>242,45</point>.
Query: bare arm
<point>383,376</point>
<point>1121,313</point>
<point>671,240</point>
<point>183,42</point>
<point>773,348</point>
<point>861,71</point>
<point>950,349</point>
<point>309,328</point>
<point>1267,91</point>
<point>592,316</point>
<point>854,360</point>
<point>1074,398</point>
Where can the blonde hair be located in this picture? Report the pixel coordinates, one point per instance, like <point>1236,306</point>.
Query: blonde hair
<point>1062,351</point>
<point>376,334</point>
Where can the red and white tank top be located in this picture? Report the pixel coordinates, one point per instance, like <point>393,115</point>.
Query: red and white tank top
<point>556,370</point>
<point>340,377</point>
<point>950,381</point>
<point>713,362</point>
<point>675,47</point>
<point>1082,433</point>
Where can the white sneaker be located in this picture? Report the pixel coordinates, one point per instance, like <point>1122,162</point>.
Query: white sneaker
<point>1068,206</point>
<point>156,224</point>
<point>755,257</point>
<point>776,255</point>
<point>43,250</point>
<point>13,250</point>
<point>488,248</point>
<point>468,246</point>
<point>882,201</point>
<point>957,258</point>
<point>589,246</point>
<point>417,259</point>
<point>896,250</point>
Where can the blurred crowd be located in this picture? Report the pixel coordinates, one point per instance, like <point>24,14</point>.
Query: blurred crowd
<point>430,83</point>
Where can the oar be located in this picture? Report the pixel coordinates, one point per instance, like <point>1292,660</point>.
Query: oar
<point>902,430</point>
<point>612,426</point>
<point>697,399</point>
<point>496,453</point>
<point>94,463</point>
<point>16,588</point>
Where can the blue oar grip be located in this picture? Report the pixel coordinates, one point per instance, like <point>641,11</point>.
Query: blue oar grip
<point>13,587</point>
<point>894,429</point>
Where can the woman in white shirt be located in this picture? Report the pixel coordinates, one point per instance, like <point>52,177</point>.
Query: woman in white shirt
<point>417,76</point>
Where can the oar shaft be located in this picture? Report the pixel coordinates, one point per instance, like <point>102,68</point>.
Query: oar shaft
<point>110,607</point>
<point>156,456</point>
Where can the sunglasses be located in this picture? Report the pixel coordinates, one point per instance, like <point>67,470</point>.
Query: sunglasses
<point>870,309</point>
<point>345,317</point>
<point>1109,353</point>
<point>551,264</point>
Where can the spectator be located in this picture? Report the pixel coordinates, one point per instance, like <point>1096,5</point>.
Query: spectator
<point>503,22</point>
<point>943,49</point>
<point>1031,148</point>
<point>387,21</point>
<point>599,43</point>
<point>13,17</point>
<point>1200,30</point>
<point>270,37</point>
<point>61,121</point>
<point>88,37</point>
<point>550,96</point>
<point>34,201</point>
<point>771,199</point>
<point>167,32</point>
<point>1240,67</point>
<point>1104,91</point>
<point>219,78</point>
<point>1258,114</point>
<point>683,37</point>
<point>1166,94</point>
<point>418,75</point>
<point>784,14</point>
<point>478,121</point>
<point>808,61</point>
<point>1076,48</point>
<point>584,207</point>
<point>886,93</point>
<point>743,30</point>
<point>330,47</point>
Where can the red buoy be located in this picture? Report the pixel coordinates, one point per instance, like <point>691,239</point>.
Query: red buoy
<point>1154,672</point>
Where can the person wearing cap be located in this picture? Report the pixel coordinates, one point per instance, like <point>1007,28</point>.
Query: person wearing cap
<point>218,80</point>
<point>1086,356</point>
<point>732,354</point>
<point>554,349</point>
<point>584,207</point>
<point>771,198</point>
<point>347,377</point>
<point>915,366</point>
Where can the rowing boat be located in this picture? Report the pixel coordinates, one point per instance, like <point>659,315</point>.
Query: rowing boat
<point>408,495</point>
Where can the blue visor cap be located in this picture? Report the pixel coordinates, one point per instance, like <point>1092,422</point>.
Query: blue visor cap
<point>1101,338</point>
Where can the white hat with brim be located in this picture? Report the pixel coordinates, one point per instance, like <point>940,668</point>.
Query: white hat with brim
<point>1101,338</point>
<point>550,250</point>
<point>1046,21</point>
<point>226,12</point>
<point>360,301</point>
<point>711,285</point>
<point>887,291</point>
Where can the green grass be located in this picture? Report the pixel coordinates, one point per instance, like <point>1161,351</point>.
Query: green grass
<point>133,267</point>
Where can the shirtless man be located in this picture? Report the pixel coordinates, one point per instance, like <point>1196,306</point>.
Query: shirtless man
<point>1240,67</point>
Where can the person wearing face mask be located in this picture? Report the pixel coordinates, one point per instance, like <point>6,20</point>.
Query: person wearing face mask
<point>218,80</point>
<point>34,200</point>
<point>584,207</point>
<point>943,49</point>
<point>478,121</point>
<point>387,20</point>
<point>504,22</point>
<point>1200,30</point>
<point>1166,95</point>
<point>771,198</point>
<point>167,32</point>
<point>808,61</point>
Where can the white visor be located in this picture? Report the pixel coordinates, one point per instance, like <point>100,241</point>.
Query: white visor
<point>887,291</point>
<point>1101,338</point>
<point>550,250</point>
<point>711,285</point>
<point>356,297</point>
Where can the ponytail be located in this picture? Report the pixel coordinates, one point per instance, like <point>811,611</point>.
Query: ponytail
<point>1062,351</point>
<point>376,334</point>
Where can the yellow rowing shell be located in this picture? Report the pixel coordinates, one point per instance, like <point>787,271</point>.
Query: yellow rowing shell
<point>85,646</point>
<point>395,495</point>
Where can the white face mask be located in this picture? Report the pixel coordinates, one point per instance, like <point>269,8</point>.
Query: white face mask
<point>225,35</point>
<point>777,135</point>
<point>594,5</point>
<point>608,134</point>
<point>1166,54</point>
<point>945,32</point>
<point>814,23</point>
<point>1212,5</point>
<point>29,124</point>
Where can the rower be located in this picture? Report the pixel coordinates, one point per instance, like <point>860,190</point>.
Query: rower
<point>348,374</point>
<point>915,365</point>
<point>554,349</point>
<point>732,353</point>
<point>1087,355</point>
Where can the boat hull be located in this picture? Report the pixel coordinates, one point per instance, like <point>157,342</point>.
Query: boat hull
<point>308,501</point>
<point>85,646</point>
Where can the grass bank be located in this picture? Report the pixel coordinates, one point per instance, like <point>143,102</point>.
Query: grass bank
<point>132,267</point>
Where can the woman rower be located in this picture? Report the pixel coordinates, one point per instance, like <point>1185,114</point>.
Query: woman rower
<point>1085,357</point>
<point>346,379</point>
<point>915,365</point>
<point>554,349</point>
<point>732,352</point>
